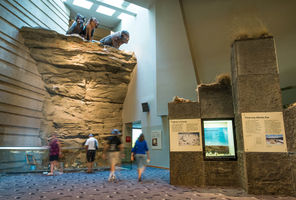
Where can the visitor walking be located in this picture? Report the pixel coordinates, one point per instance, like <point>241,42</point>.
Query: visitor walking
<point>54,154</point>
<point>140,153</point>
<point>114,148</point>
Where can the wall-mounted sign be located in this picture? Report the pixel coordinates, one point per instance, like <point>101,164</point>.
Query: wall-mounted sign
<point>128,139</point>
<point>185,135</point>
<point>156,139</point>
<point>264,132</point>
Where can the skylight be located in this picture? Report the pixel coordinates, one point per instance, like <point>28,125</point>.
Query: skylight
<point>124,16</point>
<point>105,10</point>
<point>116,3</point>
<point>133,8</point>
<point>83,3</point>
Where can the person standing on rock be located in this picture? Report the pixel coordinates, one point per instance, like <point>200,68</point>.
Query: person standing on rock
<point>54,153</point>
<point>91,145</point>
<point>89,28</point>
<point>114,148</point>
<point>139,154</point>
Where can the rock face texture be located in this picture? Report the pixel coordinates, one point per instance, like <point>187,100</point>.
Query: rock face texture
<point>86,84</point>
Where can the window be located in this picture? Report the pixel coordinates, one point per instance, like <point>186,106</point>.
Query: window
<point>105,10</point>
<point>83,3</point>
<point>218,139</point>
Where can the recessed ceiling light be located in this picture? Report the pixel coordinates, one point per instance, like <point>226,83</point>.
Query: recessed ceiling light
<point>83,3</point>
<point>105,10</point>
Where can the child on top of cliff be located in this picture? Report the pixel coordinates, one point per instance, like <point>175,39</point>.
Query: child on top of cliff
<point>89,28</point>
<point>86,31</point>
<point>116,39</point>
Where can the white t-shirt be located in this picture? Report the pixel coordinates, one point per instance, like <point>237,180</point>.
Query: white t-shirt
<point>91,143</point>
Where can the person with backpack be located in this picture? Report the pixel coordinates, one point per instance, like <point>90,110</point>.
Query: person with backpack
<point>140,153</point>
<point>114,148</point>
<point>91,145</point>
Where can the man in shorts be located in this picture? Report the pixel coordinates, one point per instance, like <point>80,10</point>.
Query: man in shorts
<point>91,145</point>
<point>114,148</point>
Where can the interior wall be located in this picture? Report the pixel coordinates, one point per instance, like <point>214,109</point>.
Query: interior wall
<point>175,75</point>
<point>142,87</point>
<point>21,87</point>
<point>214,25</point>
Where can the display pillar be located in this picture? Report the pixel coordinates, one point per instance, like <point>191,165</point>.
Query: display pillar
<point>256,91</point>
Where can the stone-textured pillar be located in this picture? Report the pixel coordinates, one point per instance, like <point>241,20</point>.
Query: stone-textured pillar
<point>256,88</point>
<point>186,168</point>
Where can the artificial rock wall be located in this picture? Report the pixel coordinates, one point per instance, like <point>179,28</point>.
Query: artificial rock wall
<point>86,84</point>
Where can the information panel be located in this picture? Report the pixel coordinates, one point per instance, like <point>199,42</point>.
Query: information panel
<point>156,139</point>
<point>185,135</point>
<point>264,132</point>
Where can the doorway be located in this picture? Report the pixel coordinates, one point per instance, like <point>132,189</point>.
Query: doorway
<point>136,131</point>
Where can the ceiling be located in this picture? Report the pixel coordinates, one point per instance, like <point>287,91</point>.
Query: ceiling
<point>105,21</point>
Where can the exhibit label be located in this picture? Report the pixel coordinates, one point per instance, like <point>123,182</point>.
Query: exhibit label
<point>264,132</point>
<point>156,139</point>
<point>185,135</point>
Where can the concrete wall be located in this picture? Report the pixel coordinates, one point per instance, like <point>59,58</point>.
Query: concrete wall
<point>21,88</point>
<point>256,89</point>
<point>175,75</point>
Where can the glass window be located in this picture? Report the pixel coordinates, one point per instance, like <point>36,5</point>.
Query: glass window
<point>219,141</point>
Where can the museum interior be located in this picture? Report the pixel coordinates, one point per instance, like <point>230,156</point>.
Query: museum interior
<point>210,84</point>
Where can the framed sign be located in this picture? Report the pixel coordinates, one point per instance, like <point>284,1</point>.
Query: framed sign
<point>185,135</point>
<point>156,139</point>
<point>218,139</point>
<point>264,132</point>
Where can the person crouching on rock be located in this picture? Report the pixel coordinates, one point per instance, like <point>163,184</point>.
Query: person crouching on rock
<point>77,26</point>
<point>116,39</point>
<point>91,145</point>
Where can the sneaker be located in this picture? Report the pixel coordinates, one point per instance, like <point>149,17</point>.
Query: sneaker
<point>50,174</point>
<point>112,179</point>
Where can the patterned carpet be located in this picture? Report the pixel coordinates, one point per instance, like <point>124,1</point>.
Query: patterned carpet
<point>80,185</point>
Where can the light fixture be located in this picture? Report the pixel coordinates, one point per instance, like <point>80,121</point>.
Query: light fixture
<point>83,3</point>
<point>105,10</point>
<point>133,8</point>
<point>124,16</point>
<point>116,3</point>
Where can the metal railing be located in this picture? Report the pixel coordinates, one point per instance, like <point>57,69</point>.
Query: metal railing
<point>36,159</point>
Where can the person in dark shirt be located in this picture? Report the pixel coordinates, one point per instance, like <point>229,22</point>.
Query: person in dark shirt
<point>114,148</point>
<point>77,26</point>
<point>116,40</point>
<point>140,153</point>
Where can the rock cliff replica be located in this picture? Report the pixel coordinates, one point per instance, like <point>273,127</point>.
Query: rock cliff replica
<point>86,84</point>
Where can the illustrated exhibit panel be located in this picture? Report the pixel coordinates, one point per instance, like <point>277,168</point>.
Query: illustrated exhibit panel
<point>219,138</point>
<point>185,135</point>
<point>264,132</point>
<point>156,139</point>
